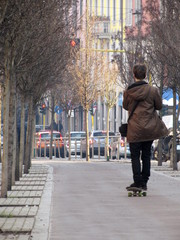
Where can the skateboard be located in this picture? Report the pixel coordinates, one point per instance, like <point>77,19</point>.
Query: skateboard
<point>134,191</point>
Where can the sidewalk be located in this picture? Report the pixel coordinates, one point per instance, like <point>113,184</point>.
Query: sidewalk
<point>19,212</point>
<point>25,214</point>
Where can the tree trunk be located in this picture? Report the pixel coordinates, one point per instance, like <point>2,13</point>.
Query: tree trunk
<point>17,158</point>
<point>27,159</point>
<point>69,135</point>
<point>14,141</point>
<point>22,136</point>
<point>178,112</point>
<point>6,123</point>
<point>175,167</point>
<point>32,135</point>
<point>0,119</point>
<point>107,137</point>
<point>87,137</point>
<point>12,132</point>
<point>52,123</point>
<point>160,113</point>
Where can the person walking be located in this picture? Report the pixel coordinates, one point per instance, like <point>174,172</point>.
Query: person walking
<point>144,125</point>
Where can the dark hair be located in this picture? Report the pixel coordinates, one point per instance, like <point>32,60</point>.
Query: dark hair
<point>139,71</point>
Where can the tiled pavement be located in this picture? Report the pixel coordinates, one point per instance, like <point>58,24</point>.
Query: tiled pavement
<point>19,210</point>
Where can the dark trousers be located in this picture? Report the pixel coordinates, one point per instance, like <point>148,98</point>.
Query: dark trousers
<point>141,174</point>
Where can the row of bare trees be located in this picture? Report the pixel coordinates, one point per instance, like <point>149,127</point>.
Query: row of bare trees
<point>90,76</point>
<point>34,52</point>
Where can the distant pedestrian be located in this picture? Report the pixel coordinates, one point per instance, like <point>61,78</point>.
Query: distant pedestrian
<point>144,126</point>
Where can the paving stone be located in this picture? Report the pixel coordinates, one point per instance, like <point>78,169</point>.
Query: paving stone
<point>2,221</point>
<point>8,224</point>
<point>6,211</point>
<point>24,211</point>
<point>33,211</point>
<point>2,209</point>
<point>16,211</point>
<point>28,224</point>
<point>18,225</point>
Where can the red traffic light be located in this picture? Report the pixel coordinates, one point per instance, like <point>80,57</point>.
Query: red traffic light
<point>43,105</point>
<point>73,43</point>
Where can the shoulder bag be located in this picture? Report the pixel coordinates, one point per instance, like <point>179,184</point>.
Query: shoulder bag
<point>123,128</point>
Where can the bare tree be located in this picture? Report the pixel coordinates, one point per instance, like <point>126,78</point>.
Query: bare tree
<point>109,90</point>
<point>87,70</point>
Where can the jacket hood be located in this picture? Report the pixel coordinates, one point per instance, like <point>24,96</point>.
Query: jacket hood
<point>138,90</point>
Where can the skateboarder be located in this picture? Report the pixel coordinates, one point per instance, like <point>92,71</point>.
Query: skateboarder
<point>144,126</point>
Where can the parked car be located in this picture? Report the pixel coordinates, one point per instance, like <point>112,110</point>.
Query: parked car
<point>119,147</point>
<point>76,139</point>
<point>42,141</point>
<point>97,142</point>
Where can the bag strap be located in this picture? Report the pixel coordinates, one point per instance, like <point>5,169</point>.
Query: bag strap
<point>135,105</point>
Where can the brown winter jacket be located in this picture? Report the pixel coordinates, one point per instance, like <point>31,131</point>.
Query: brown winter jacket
<point>145,124</point>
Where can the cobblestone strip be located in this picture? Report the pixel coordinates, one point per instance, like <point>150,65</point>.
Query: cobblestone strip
<point>30,188</point>
<point>20,201</point>
<point>24,194</point>
<point>30,183</point>
<point>33,179</point>
<point>37,174</point>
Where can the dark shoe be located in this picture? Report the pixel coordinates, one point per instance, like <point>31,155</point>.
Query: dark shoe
<point>134,185</point>
<point>144,186</point>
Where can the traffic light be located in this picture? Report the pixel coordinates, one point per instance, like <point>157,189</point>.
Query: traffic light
<point>75,43</point>
<point>43,108</point>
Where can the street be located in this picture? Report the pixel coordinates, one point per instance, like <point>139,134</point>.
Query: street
<point>89,201</point>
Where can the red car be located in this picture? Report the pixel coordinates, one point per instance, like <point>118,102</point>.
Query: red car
<point>42,142</point>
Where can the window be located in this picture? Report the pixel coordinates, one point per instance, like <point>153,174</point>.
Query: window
<point>96,7</point>
<point>120,9</point>
<point>137,11</point>
<point>114,10</point>
<point>128,12</point>
<point>90,7</point>
<point>102,7</point>
<point>81,3</point>
<point>108,8</point>
<point>106,28</point>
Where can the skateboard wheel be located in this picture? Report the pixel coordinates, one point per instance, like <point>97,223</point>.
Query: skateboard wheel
<point>144,194</point>
<point>129,194</point>
<point>140,194</point>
